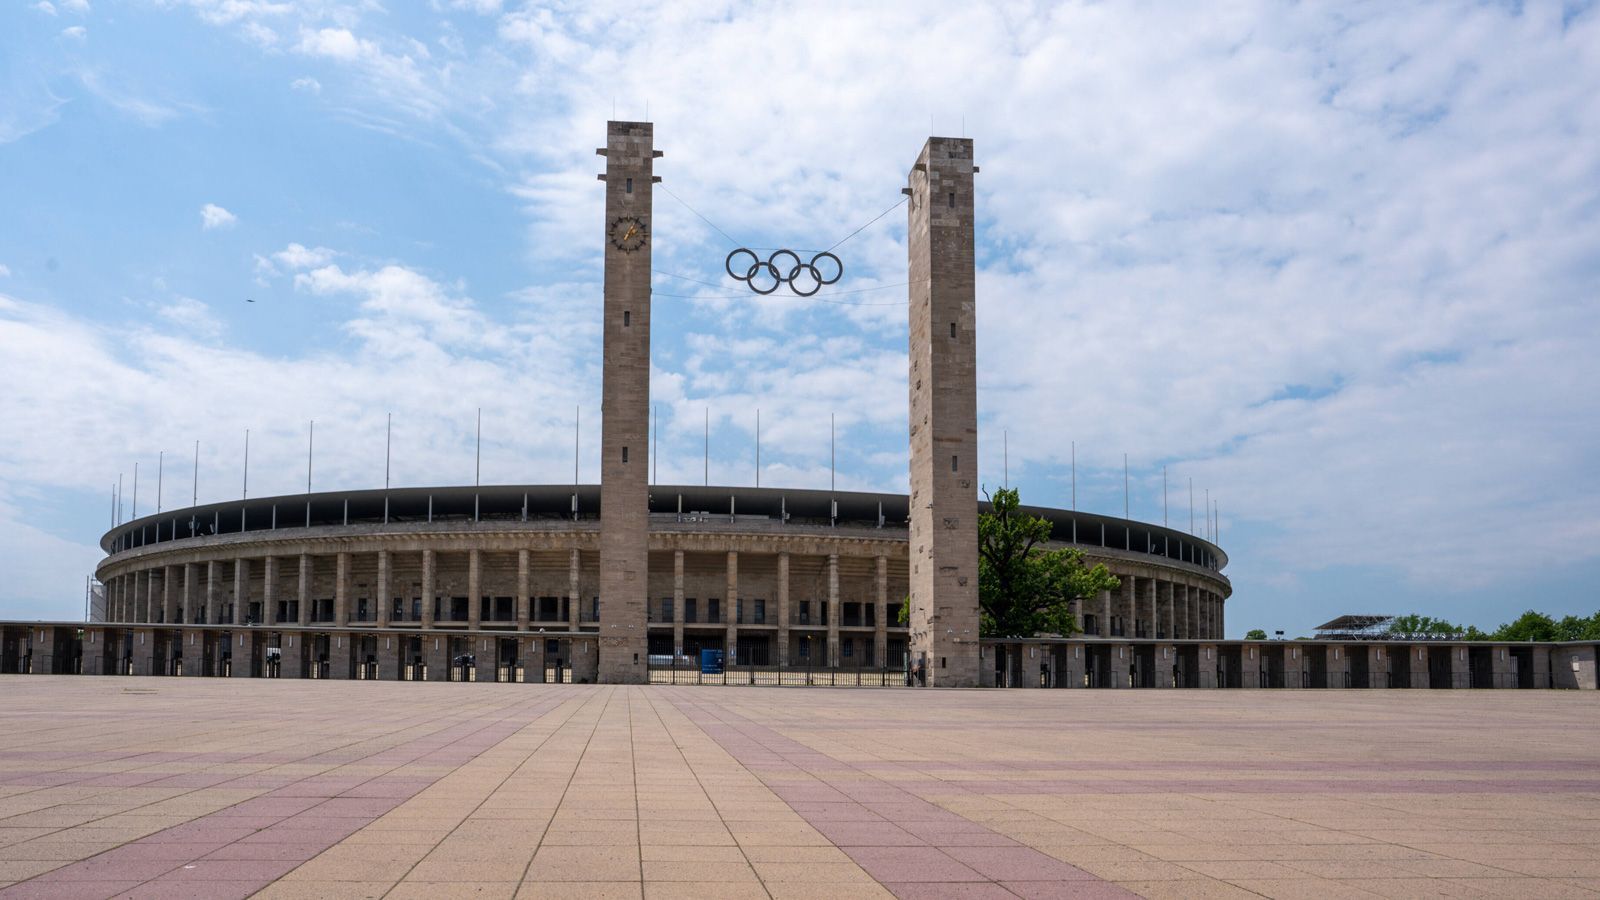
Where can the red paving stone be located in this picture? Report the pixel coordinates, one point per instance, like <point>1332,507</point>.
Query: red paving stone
<point>121,787</point>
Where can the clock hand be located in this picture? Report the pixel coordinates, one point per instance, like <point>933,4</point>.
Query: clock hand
<point>631,230</point>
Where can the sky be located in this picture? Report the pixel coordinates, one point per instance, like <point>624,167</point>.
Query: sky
<point>1335,265</point>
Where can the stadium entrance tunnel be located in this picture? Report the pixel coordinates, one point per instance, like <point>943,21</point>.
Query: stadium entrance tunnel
<point>1522,666</point>
<point>1480,667</point>
<point>1097,666</point>
<point>1358,666</point>
<point>1400,667</point>
<point>1144,666</point>
<point>1440,667</point>
<point>1271,668</point>
<point>1186,666</point>
<point>1230,666</point>
<point>1314,666</point>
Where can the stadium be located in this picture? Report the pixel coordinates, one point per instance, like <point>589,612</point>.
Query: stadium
<point>628,582</point>
<point>509,577</point>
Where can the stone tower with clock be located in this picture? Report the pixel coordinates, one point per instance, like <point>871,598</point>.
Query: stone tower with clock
<point>944,414</point>
<point>625,404</point>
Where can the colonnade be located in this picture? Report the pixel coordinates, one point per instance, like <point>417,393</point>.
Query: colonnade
<point>1153,607</point>
<point>769,606</point>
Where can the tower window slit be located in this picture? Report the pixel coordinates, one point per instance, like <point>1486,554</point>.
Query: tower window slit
<point>627,318</point>
<point>954,464</point>
<point>952,199</point>
<point>629,188</point>
<point>624,454</point>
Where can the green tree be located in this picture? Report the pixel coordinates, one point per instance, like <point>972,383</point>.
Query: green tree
<point>1255,634</point>
<point>1530,626</point>
<point>1415,624</point>
<point>1025,589</point>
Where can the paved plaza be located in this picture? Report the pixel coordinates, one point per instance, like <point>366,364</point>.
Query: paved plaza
<point>169,788</point>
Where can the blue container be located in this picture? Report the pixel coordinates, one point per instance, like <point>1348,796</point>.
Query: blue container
<point>711,662</point>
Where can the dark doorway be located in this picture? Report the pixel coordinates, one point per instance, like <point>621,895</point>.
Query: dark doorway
<point>1097,666</point>
<point>1144,661</point>
<point>1440,661</point>
<point>1186,668</point>
<point>1522,665</point>
<point>1480,667</point>
<point>1230,666</point>
<point>1271,670</point>
<point>1360,675</point>
<point>1314,666</point>
<point>1399,667</point>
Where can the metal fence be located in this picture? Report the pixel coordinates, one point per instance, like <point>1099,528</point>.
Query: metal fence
<point>779,676</point>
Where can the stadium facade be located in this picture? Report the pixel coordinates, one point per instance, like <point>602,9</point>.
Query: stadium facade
<point>624,582</point>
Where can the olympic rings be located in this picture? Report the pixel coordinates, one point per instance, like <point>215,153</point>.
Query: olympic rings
<point>767,275</point>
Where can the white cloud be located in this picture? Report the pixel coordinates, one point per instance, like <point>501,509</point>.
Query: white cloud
<point>81,7</point>
<point>76,32</point>
<point>298,256</point>
<point>5,271</point>
<point>308,85</point>
<point>148,112</point>
<point>1334,264</point>
<point>46,7</point>
<point>192,316</point>
<point>213,216</point>
<point>260,35</point>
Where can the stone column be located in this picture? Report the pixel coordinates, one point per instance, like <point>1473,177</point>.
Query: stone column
<point>783,608</point>
<point>241,591</point>
<point>625,404</point>
<point>169,598</point>
<point>339,653</point>
<point>574,600</point>
<point>942,314</point>
<point>213,607</point>
<point>731,642</point>
<point>1222,616</point>
<point>385,600</point>
<point>1152,612</point>
<point>427,590</point>
<point>1128,607</point>
<point>1104,628</point>
<point>269,591</point>
<point>533,660</point>
<point>143,652</point>
<point>486,657</point>
<point>436,654</point>
<point>304,593</point>
<point>390,666</point>
<point>524,613</point>
<point>341,597</point>
<point>244,654</point>
<point>141,583</point>
<point>474,589</point>
<point>1171,610</point>
<point>677,602</point>
<point>833,610</point>
<point>880,630</point>
<point>186,602</point>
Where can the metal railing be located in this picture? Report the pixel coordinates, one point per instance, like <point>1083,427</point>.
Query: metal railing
<point>780,676</point>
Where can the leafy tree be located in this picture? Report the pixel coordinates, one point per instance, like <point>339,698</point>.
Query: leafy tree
<point>1530,626</point>
<point>1255,634</point>
<point>1023,588</point>
<point>1415,624</point>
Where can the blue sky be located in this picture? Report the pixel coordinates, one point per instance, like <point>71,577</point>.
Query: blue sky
<point>1337,265</point>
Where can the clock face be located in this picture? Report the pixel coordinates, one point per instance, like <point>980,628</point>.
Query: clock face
<point>628,233</point>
